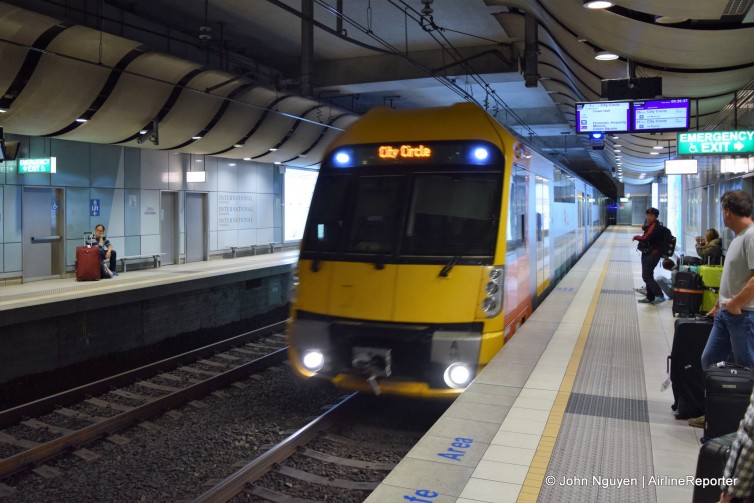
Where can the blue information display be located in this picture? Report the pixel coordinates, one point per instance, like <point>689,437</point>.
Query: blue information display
<point>94,207</point>
<point>638,116</point>
<point>661,115</point>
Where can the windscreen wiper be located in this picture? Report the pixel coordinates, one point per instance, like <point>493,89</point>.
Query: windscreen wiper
<point>446,270</point>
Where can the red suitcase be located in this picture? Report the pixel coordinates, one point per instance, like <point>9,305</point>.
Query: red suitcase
<point>87,263</point>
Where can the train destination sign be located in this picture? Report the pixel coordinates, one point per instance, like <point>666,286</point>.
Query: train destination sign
<point>404,151</point>
<point>43,165</point>
<point>716,143</point>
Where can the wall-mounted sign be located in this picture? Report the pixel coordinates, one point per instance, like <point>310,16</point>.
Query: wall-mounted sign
<point>94,207</point>
<point>43,165</point>
<point>681,167</point>
<point>716,142</point>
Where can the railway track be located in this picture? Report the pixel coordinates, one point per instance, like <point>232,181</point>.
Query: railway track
<point>339,456</point>
<point>33,433</point>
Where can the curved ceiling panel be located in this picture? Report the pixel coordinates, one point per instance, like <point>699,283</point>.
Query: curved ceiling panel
<point>120,89</point>
<point>140,93</point>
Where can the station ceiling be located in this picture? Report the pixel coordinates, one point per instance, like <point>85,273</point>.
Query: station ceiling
<point>214,74</point>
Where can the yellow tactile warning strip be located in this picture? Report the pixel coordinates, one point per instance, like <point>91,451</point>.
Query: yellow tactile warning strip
<point>538,468</point>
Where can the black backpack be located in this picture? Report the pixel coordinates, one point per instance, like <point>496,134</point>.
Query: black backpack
<point>667,242</point>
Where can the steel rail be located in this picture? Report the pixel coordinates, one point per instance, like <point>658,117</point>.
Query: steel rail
<point>232,485</point>
<point>53,448</point>
<point>44,405</point>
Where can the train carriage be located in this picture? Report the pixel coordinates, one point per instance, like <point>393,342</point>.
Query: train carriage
<point>432,235</point>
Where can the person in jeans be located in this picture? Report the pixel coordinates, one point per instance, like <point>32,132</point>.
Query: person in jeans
<point>649,245</point>
<point>732,335</point>
<point>666,284</point>
<point>106,252</point>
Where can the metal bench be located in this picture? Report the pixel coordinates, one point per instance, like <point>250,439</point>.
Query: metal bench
<point>157,257</point>
<point>271,246</point>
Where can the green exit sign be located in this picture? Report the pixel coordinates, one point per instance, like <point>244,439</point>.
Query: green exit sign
<point>716,143</point>
<point>44,165</point>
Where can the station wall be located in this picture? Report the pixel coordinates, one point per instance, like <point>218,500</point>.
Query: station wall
<point>245,197</point>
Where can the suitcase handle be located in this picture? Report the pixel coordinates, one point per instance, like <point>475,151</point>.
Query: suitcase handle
<point>729,365</point>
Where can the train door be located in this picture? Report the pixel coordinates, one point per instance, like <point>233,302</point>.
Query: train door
<point>43,226</point>
<point>542,223</point>
<point>196,227</point>
<point>169,227</point>
<point>517,297</point>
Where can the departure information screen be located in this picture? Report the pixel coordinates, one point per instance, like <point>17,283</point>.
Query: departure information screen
<point>661,115</point>
<point>603,116</point>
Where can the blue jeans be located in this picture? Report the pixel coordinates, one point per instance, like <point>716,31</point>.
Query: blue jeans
<point>648,263</point>
<point>666,286</point>
<point>731,334</point>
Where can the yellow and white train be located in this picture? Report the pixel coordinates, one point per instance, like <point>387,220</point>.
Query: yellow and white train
<point>432,235</point>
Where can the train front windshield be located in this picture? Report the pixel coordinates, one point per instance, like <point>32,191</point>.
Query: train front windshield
<point>402,212</point>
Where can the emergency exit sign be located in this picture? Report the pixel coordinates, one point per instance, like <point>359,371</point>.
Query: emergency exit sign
<point>716,143</point>
<point>43,165</point>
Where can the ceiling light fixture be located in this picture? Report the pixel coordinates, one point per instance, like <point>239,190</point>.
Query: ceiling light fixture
<point>670,20</point>
<point>196,137</point>
<point>597,4</point>
<point>658,146</point>
<point>81,119</point>
<point>605,55</point>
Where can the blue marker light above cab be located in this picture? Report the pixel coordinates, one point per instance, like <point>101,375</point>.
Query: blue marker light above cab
<point>596,136</point>
<point>481,154</point>
<point>342,158</point>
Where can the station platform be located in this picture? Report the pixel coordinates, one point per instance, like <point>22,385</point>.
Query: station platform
<point>46,325</point>
<point>571,409</point>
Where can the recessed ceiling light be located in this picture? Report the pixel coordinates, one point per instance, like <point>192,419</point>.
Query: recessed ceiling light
<point>670,20</point>
<point>232,164</point>
<point>196,137</point>
<point>605,56</point>
<point>273,150</point>
<point>81,119</point>
<point>654,153</point>
<point>597,4</point>
<point>247,158</point>
<point>237,145</point>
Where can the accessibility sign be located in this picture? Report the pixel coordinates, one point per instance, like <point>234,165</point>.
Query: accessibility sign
<point>716,142</point>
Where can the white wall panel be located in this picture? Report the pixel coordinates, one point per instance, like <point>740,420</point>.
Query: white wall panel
<point>154,169</point>
<point>264,210</point>
<point>150,214</point>
<point>12,257</point>
<point>108,166</point>
<point>12,214</point>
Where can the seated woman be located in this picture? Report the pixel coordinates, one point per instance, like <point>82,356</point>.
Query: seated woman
<point>106,252</point>
<point>710,246</point>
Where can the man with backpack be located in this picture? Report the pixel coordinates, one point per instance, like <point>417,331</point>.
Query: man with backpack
<point>651,248</point>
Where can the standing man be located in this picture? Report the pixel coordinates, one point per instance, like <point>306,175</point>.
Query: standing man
<point>733,329</point>
<point>649,246</point>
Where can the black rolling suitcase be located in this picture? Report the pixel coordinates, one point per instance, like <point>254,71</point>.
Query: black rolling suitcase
<point>727,393</point>
<point>687,297</point>
<point>710,465</point>
<point>686,374</point>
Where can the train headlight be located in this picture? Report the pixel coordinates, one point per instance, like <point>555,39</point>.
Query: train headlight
<point>342,159</point>
<point>493,301</point>
<point>457,375</point>
<point>481,154</point>
<point>313,360</point>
